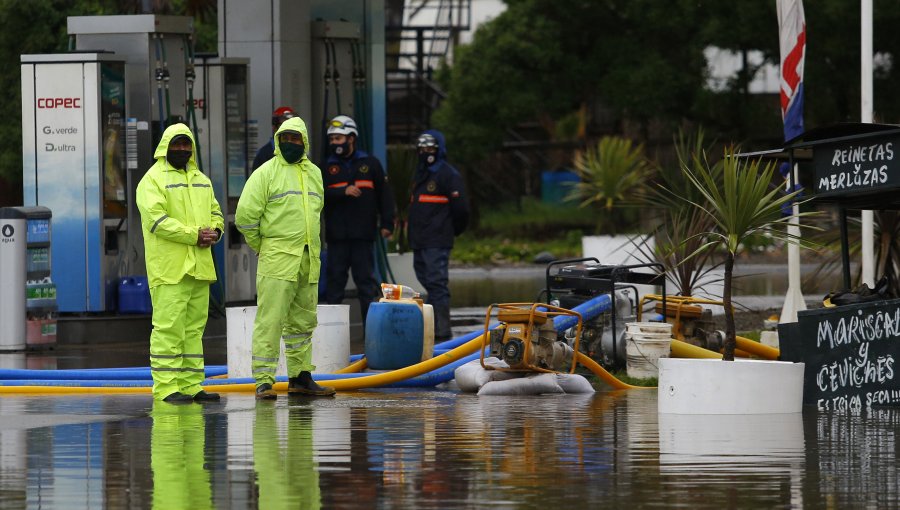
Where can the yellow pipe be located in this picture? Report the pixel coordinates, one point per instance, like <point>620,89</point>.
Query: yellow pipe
<point>605,376</point>
<point>685,350</point>
<point>354,383</point>
<point>757,349</point>
<point>69,390</point>
<point>357,366</point>
<point>402,374</point>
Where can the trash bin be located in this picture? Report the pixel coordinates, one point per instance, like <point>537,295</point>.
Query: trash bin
<point>13,228</point>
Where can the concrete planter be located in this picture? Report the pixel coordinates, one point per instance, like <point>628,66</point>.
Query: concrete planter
<point>711,386</point>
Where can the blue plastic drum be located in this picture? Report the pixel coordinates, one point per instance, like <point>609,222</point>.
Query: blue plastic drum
<point>394,333</point>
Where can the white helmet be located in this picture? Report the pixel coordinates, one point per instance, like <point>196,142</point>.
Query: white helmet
<point>342,125</point>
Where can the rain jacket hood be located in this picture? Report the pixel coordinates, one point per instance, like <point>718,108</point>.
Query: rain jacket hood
<point>170,133</point>
<point>296,125</point>
<point>442,150</point>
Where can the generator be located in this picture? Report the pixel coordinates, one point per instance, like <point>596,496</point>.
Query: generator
<point>572,282</point>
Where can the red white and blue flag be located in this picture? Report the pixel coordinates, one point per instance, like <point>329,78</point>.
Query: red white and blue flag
<point>792,38</point>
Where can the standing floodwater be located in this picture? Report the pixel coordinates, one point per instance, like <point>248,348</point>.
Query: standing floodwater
<point>436,449</point>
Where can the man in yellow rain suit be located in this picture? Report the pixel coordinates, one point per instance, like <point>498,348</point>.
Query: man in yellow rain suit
<point>180,219</point>
<point>278,213</point>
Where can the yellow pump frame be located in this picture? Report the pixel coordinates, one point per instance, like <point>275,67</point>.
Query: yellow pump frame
<point>549,311</point>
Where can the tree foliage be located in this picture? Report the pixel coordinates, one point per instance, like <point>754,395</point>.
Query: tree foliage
<point>640,63</point>
<point>39,26</point>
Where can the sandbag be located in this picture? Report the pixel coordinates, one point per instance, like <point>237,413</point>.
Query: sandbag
<point>529,385</point>
<point>472,376</point>
<point>574,383</point>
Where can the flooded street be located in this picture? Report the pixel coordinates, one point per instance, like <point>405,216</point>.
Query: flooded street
<point>436,449</point>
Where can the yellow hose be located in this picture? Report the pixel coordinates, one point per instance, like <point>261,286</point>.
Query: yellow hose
<point>757,349</point>
<point>685,350</point>
<point>355,383</point>
<point>70,390</point>
<point>357,366</point>
<point>605,376</point>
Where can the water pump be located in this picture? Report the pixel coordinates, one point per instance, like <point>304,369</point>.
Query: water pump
<point>526,339</point>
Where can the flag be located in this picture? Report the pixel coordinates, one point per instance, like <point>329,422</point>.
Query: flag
<point>792,38</point>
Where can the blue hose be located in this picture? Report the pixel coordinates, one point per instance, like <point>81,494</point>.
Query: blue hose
<point>94,374</point>
<point>140,377</point>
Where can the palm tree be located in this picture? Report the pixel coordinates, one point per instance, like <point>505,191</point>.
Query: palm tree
<point>613,173</point>
<point>677,235</point>
<point>743,203</point>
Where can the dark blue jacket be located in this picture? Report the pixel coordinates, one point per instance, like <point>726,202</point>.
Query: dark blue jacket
<point>356,218</point>
<point>438,210</point>
<point>265,153</point>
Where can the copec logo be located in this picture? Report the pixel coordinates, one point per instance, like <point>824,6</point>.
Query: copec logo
<point>59,102</point>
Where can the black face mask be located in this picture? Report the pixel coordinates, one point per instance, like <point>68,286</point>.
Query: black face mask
<point>178,159</point>
<point>292,152</point>
<point>427,158</point>
<point>341,150</point>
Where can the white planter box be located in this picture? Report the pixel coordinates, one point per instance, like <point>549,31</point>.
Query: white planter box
<point>331,340</point>
<point>711,386</point>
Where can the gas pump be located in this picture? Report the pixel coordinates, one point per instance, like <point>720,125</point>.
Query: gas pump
<point>91,121</point>
<point>221,93</point>
<point>74,162</point>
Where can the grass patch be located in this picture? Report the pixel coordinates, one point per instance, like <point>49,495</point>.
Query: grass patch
<point>515,233</point>
<point>622,375</point>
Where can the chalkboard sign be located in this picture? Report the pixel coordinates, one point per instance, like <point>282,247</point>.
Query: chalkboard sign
<point>857,166</point>
<point>850,353</point>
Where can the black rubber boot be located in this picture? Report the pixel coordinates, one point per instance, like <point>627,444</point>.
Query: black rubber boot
<point>204,396</point>
<point>178,398</point>
<point>265,392</point>
<point>303,384</point>
<point>442,323</point>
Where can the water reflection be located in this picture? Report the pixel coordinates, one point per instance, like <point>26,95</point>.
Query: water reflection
<point>733,442</point>
<point>180,479</point>
<point>433,449</point>
<point>286,475</point>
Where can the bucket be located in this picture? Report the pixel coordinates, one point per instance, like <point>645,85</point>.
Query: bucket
<point>394,335</point>
<point>645,343</point>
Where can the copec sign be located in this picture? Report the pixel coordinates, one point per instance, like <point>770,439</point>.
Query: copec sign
<point>59,102</point>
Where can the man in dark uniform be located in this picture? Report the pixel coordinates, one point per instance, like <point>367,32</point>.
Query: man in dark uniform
<point>438,212</point>
<point>267,151</point>
<point>358,204</point>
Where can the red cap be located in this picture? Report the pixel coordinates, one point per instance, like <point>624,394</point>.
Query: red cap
<point>283,113</point>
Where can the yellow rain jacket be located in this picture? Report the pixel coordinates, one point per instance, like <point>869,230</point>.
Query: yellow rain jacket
<point>279,209</point>
<point>175,204</point>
